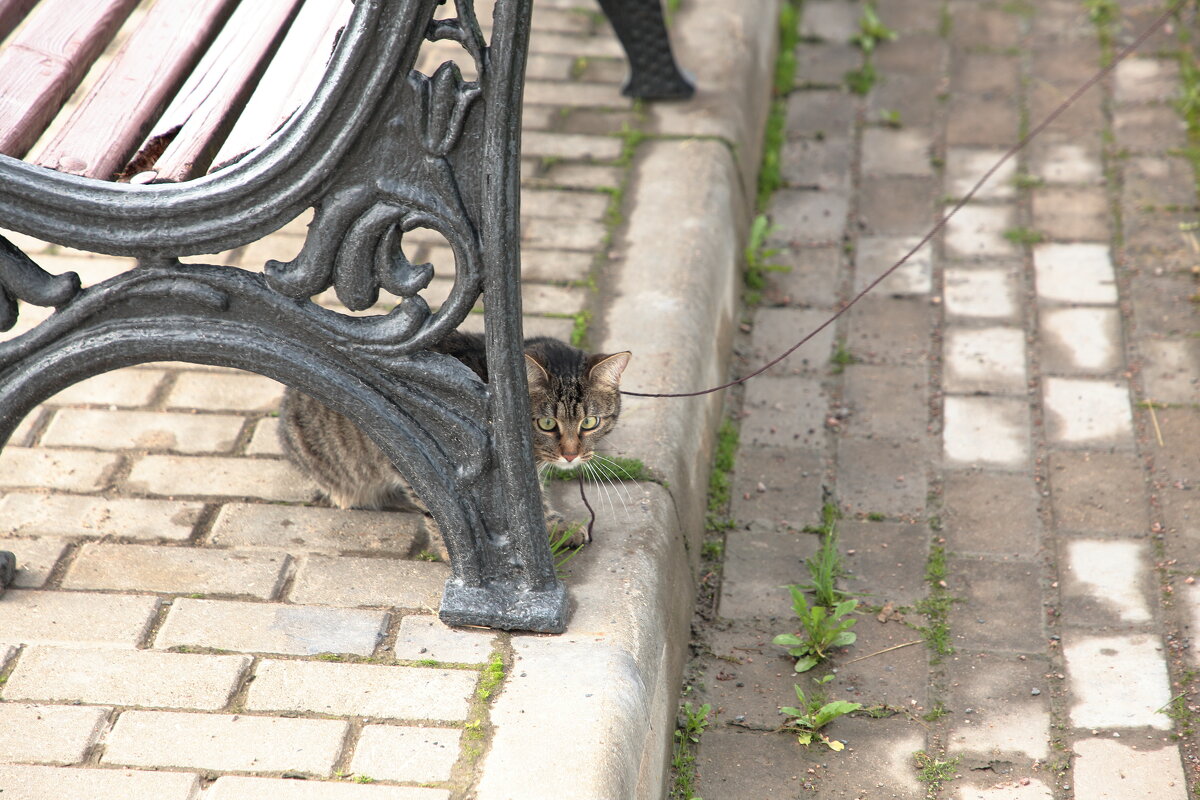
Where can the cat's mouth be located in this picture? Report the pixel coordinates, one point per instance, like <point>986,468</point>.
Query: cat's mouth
<point>564,464</point>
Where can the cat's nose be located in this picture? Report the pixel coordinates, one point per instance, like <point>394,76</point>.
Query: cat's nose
<point>570,456</point>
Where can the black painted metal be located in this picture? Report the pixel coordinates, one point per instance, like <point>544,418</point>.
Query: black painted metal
<point>380,150</point>
<point>653,73</point>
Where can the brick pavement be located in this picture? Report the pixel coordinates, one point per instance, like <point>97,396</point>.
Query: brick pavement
<point>1021,402</point>
<point>187,617</point>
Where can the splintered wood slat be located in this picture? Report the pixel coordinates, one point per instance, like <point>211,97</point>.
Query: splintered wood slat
<point>284,88</point>
<point>193,124</point>
<point>11,14</point>
<point>45,61</point>
<point>116,115</point>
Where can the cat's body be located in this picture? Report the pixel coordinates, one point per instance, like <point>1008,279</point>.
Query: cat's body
<point>574,398</point>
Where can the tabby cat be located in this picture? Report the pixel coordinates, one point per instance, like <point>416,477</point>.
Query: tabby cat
<point>575,400</point>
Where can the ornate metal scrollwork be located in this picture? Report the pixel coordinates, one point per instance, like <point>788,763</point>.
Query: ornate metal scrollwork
<point>22,279</point>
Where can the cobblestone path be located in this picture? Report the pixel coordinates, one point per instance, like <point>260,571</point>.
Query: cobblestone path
<point>1008,425</point>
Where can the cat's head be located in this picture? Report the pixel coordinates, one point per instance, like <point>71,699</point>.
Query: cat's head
<point>575,398</point>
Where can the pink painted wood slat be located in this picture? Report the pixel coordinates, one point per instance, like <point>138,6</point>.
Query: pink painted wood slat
<point>202,111</point>
<point>285,87</point>
<point>99,138</point>
<point>46,60</point>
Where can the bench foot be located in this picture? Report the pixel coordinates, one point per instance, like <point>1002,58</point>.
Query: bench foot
<point>8,569</point>
<point>653,73</point>
<point>505,607</point>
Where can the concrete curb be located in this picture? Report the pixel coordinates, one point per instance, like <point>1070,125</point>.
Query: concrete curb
<point>590,714</point>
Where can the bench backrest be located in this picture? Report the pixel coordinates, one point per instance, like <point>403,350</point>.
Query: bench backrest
<point>193,85</point>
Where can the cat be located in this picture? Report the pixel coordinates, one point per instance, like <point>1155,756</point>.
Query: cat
<point>574,397</point>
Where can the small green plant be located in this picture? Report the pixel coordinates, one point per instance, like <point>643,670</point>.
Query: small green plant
<point>474,729</point>
<point>871,31</point>
<point>490,678</point>
<point>933,772</point>
<point>1102,12</point>
<point>815,713</point>
<point>890,118</point>
<point>719,481</point>
<point>825,566</point>
<point>713,550</point>
<point>936,605</point>
<point>876,516</point>
<point>934,714</point>
<point>822,630</point>
<point>561,548</point>
<point>689,727</point>
<point>1024,236</point>
<point>363,779</point>
<point>428,555</point>
<point>578,67</point>
<point>617,468</point>
<point>841,357</point>
<point>579,327</point>
<point>1024,180</point>
<point>862,80</point>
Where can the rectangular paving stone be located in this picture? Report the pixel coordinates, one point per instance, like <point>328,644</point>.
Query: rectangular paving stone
<point>884,559</point>
<point>982,293</point>
<point>1007,718</point>
<point>233,391</point>
<point>125,388</point>
<point>58,783</point>
<point>233,787</point>
<point>1117,681</point>
<point>1001,607</point>
<point>775,329</point>
<point>46,734</point>
<point>125,677</point>
<point>1098,492</point>
<point>822,163</point>
<point>423,636</point>
<point>1156,181</point>
<point>811,277</point>
<point>266,478</point>
<point>819,216</point>
<point>310,529</point>
<point>270,628</point>
<point>1088,412</point>
<point>45,468</point>
<point>264,441</point>
<point>784,412</point>
<point>573,93</point>
<point>781,485</point>
<point>1171,369</point>
<point>896,205</point>
<point>759,564</point>
<point>356,581</point>
<point>1058,162</point>
<point>882,475</point>
<point>402,753</point>
<point>1157,129</point>
<point>990,513</point>
<point>575,147</point>
<point>877,254</point>
<point>1075,273</point>
<point>965,166</point>
<point>886,401</point>
<point>224,742</point>
<point>570,175</point>
<point>986,432</point>
<point>984,360</point>
<point>1106,581</point>
<point>362,690</point>
<point>1109,770</point>
<point>76,618</point>
<point>977,231</point>
<point>25,428</point>
<point>35,559</point>
<point>899,151</point>
<point>127,430</point>
<point>1080,341</point>
<point>70,516</point>
<point>885,330</point>
<point>979,121</point>
<point>177,570</point>
<point>577,234</point>
<point>1072,213</point>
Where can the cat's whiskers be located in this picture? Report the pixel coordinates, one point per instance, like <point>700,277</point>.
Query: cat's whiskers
<point>610,469</point>
<point>603,472</point>
<point>599,480</point>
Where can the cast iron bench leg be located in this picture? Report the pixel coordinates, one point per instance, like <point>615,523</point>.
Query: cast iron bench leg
<point>653,73</point>
<point>8,569</point>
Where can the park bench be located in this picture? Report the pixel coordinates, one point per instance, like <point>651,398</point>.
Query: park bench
<point>217,122</point>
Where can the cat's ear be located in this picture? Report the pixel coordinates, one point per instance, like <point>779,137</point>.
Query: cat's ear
<point>607,369</point>
<point>536,374</point>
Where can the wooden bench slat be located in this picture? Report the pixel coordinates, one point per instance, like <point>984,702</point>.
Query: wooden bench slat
<point>282,89</point>
<point>203,109</point>
<point>46,60</point>
<point>11,14</point>
<point>99,138</point>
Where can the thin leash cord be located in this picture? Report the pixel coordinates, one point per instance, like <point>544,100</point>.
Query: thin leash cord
<point>941,223</point>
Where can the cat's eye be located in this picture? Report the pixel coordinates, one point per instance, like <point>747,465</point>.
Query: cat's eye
<point>547,423</point>
<point>589,423</point>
